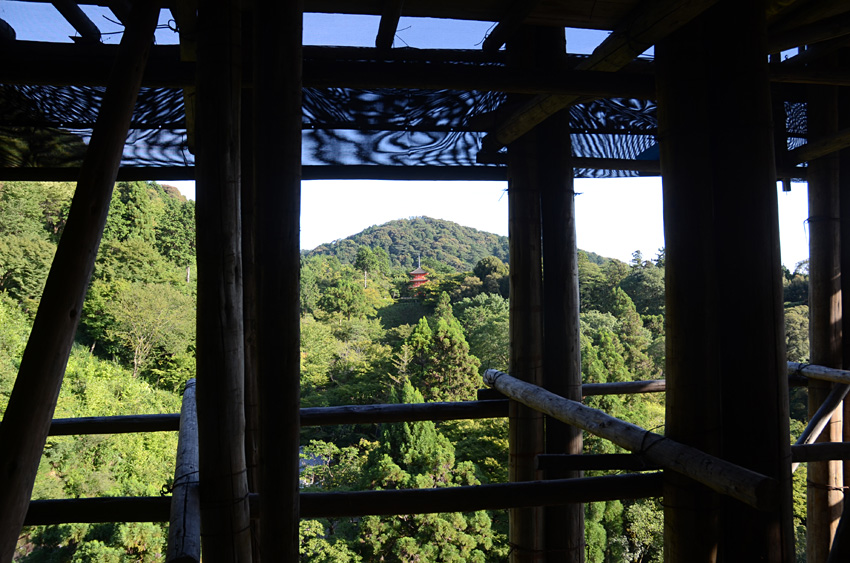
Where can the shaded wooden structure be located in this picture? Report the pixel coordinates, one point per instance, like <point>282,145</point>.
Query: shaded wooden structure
<point>238,106</point>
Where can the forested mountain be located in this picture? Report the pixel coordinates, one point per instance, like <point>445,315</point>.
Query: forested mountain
<point>435,240</point>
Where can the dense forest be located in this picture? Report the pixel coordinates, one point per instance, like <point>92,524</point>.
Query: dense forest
<point>366,337</point>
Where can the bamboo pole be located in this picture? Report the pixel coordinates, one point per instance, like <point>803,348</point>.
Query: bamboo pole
<point>184,531</point>
<point>33,400</point>
<point>824,498</point>
<point>561,347</point>
<point>526,431</point>
<point>749,487</point>
<point>220,346</point>
<point>277,149</point>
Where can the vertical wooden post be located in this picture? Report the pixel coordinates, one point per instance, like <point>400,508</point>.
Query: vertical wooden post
<point>824,497</point>
<point>277,84</point>
<point>249,283</point>
<point>561,335</point>
<point>526,322</point>
<point>225,525</point>
<point>718,222</point>
<point>33,400</point>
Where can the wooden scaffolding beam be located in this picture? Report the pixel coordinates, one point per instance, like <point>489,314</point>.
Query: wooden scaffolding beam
<point>526,428</point>
<point>714,222</point>
<point>33,400</point>
<point>824,497</point>
<point>225,524</point>
<point>564,536</point>
<point>277,172</point>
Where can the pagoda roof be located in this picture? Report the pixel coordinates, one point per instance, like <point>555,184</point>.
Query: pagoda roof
<point>419,270</point>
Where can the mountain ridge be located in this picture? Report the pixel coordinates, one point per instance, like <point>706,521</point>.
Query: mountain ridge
<point>434,240</point>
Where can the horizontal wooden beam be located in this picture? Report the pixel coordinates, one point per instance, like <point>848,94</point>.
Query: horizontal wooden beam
<point>794,74</point>
<point>817,32</point>
<point>365,503</point>
<point>98,510</point>
<point>115,424</point>
<point>125,174</point>
<point>482,497</point>
<point>369,414</point>
<point>801,13</point>
<point>754,489</point>
<point>439,76</point>
<point>820,452</point>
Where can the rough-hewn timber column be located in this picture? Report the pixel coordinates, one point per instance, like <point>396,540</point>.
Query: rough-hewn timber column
<point>225,519</point>
<point>725,341</point>
<point>526,325</point>
<point>277,79</point>
<point>27,418</point>
<point>824,496</point>
<point>564,541</point>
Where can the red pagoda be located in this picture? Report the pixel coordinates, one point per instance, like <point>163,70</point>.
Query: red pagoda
<point>418,276</point>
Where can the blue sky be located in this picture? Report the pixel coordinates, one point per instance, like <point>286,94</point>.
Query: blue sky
<point>613,217</point>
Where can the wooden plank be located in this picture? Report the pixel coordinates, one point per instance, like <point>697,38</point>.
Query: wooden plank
<point>749,487</point>
<point>30,409</point>
<point>821,418</point>
<point>390,14</point>
<point>643,28</point>
<point>184,531</point>
<point>225,523</point>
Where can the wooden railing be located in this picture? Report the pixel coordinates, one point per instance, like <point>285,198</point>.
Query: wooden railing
<point>653,452</point>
